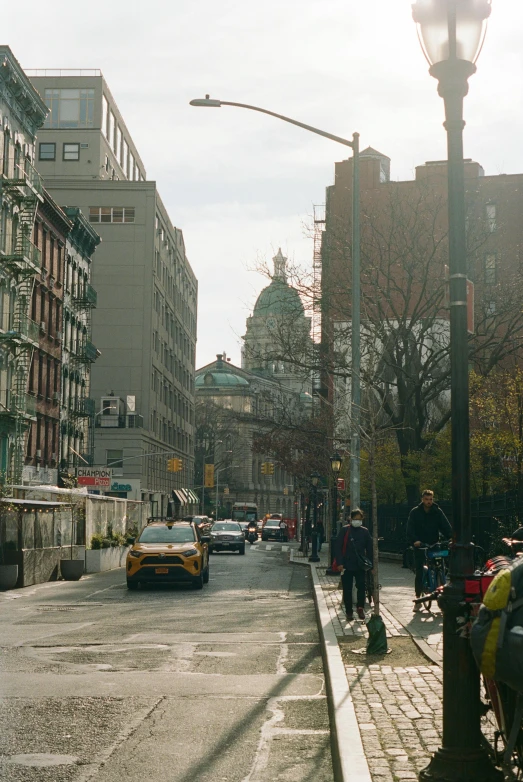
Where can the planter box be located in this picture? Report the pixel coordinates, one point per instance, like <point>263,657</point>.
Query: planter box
<point>97,560</point>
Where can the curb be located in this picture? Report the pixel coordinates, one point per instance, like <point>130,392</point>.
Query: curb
<point>348,756</point>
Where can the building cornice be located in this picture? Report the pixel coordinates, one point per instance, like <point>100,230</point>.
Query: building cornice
<point>19,94</point>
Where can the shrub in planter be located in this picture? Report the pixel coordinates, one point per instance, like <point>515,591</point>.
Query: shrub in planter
<point>97,541</point>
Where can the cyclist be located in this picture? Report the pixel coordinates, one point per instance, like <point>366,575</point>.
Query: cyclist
<point>425,524</point>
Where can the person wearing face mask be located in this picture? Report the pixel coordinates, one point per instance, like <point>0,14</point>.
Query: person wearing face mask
<point>353,542</point>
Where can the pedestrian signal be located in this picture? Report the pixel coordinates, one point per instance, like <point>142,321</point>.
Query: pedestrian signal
<point>208,481</point>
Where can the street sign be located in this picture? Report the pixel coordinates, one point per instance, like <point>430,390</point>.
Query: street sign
<point>96,477</point>
<point>341,484</point>
<point>209,476</point>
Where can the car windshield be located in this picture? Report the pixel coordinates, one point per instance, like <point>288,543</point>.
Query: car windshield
<point>272,523</point>
<point>167,535</point>
<point>227,527</point>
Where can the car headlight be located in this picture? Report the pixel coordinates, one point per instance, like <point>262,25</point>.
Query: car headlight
<point>134,553</point>
<point>191,552</point>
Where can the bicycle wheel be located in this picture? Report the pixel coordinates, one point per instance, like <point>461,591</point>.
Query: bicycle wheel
<point>510,703</point>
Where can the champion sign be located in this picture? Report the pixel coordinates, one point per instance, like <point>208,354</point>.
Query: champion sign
<point>96,477</point>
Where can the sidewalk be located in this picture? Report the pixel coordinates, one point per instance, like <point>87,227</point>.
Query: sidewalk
<point>396,699</point>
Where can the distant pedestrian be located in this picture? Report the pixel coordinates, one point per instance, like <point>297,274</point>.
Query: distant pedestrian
<point>320,533</point>
<point>353,543</point>
<point>425,525</point>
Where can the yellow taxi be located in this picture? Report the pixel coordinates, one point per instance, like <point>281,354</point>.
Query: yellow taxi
<point>167,552</point>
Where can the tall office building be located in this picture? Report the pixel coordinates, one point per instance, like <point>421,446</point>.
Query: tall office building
<point>144,324</point>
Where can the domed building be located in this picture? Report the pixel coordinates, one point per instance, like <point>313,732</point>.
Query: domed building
<point>235,405</point>
<point>277,341</point>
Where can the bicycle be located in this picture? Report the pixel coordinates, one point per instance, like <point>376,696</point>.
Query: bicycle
<point>434,572</point>
<point>502,736</point>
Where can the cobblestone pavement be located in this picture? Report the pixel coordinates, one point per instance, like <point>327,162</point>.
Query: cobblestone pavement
<point>398,707</point>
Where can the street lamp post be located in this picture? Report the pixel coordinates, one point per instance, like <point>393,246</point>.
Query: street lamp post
<point>451,33</point>
<point>355,418</point>
<point>336,468</point>
<point>314,553</point>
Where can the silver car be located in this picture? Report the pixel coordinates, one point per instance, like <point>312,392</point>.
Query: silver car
<point>227,536</point>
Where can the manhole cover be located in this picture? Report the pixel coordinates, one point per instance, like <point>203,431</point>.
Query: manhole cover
<point>43,760</point>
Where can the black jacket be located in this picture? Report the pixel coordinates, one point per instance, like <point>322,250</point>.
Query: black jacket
<point>427,526</point>
<point>358,539</point>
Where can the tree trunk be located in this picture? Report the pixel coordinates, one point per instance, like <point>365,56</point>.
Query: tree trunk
<point>374,498</point>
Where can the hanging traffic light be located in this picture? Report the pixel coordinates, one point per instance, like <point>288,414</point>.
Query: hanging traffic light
<point>270,468</point>
<point>264,468</point>
<point>171,465</point>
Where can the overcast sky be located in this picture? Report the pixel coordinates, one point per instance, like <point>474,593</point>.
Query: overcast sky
<point>240,184</point>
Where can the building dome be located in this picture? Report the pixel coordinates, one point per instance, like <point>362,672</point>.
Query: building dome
<point>220,379</point>
<point>279,298</point>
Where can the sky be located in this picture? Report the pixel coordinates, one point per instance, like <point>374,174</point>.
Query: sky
<point>240,184</point>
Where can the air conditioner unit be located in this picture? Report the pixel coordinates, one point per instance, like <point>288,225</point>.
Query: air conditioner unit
<point>42,325</point>
<point>38,453</point>
<point>56,396</point>
<point>59,336</point>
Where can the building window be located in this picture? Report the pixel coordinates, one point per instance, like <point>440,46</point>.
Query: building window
<point>491,217</point>
<point>114,458</point>
<point>69,108</point>
<point>71,152</point>
<point>47,151</point>
<point>491,308</point>
<point>111,214</point>
<point>105,115</point>
<point>490,268</point>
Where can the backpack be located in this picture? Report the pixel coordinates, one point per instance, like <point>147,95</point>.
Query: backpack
<point>496,636</point>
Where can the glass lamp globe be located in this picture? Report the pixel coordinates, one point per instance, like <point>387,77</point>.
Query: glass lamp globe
<point>451,29</point>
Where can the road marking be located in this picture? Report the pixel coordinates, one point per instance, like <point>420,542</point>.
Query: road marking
<point>285,548</point>
<point>268,548</point>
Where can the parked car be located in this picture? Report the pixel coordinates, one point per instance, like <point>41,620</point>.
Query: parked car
<point>227,536</point>
<point>166,552</point>
<point>271,529</point>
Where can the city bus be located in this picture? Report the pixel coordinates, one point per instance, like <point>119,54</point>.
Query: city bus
<point>245,511</point>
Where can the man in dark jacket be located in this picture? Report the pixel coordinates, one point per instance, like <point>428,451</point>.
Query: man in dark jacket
<point>353,540</point>
<point>425,525</point>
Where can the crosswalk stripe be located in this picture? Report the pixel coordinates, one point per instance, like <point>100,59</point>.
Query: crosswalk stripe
<point>268,548</point>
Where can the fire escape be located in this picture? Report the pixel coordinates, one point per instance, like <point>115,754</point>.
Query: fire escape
<point>19,334</point>
<point>82,408</point>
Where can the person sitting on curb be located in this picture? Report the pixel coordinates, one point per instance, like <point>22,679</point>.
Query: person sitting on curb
<point>353,542</point>
<point>425,524</point>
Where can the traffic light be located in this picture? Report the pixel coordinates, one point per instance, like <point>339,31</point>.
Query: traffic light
<point>226,490</point>
<point>174,465</point>
<point>270,468</point>
<point>264,468</point>
<point>285,490</point>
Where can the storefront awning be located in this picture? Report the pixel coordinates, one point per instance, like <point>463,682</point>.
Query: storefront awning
<point>178,493</point>
<point>193,497</point>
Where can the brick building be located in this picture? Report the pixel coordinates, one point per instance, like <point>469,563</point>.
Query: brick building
<point>45,376</point>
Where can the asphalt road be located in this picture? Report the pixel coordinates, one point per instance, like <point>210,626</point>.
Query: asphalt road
<point>167,683</point>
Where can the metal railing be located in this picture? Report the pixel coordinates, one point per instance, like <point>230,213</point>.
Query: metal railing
<point>21,329</point>
<point>120,422</point>
<point>24,175</point>
<point>13,405</point>
<point>85,294</point>
<point>82,408</point>
<point>24,256</point>
<point>87,352</point>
